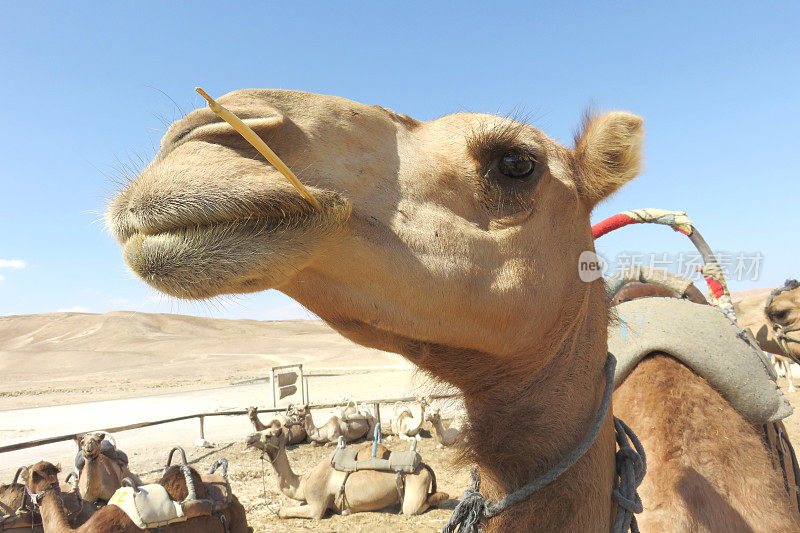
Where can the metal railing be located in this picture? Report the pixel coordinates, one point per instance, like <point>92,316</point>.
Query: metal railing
<point>201,416</point>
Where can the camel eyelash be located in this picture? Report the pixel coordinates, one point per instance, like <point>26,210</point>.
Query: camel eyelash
<point>487,145</point>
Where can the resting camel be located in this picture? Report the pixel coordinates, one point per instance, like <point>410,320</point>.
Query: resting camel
<point>783,304</point>
<point>335,427</point>
<point>12,496</point>
<point>101,467</point>
<point>448,436</point>
<point>365,490</point>
<point>454,242</point>
<point>19,513</point>
<point>41,479</point>
<point>293,423</point>
<point>405,424</point>
<point>252,414</point>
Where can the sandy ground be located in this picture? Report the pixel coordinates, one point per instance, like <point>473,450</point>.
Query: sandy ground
<point>68,372</point>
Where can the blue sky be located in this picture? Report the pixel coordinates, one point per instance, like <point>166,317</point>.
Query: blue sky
<point>87,91</point>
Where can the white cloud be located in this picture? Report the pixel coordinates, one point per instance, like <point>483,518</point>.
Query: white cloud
<point>2,278</point>
<point>13,263</point>
<point>74,309</point>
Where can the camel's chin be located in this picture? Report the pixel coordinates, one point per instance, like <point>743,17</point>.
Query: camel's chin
<point>197,263</point>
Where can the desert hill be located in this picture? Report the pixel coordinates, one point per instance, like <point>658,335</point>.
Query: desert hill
<point>62,357</point>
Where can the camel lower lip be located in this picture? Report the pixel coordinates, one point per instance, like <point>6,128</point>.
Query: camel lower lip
<point>186,262</point>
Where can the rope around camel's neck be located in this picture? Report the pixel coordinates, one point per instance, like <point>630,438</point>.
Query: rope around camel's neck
<point>521,428</point>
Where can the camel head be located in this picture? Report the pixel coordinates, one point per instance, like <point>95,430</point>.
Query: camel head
<point>783,311</point>
<point>783,305</point>
<point>41,476</point>
<point>296,414</point>
<point>433,416</point>
<point>90,443</point>
<point>252,412</point>
<point>464,231</point>
<point>270,441</point>
<point>299,412</point>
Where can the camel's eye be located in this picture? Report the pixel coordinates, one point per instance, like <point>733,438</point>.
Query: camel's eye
<point>781,315</point>
<point>516,166</point>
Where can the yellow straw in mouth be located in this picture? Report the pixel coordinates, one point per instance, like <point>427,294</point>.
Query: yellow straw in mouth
<point>251,137</point>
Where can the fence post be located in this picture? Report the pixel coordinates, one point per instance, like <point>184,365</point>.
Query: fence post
<point>201,441</point>
<point>272,385</point>
<point>376,408</point>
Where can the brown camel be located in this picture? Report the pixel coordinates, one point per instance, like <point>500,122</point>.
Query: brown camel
<point>783,310</point>
<point>454,242</point>
<point>17,509</point>
<point>102,468</point>
<point>364,490</point>
<point>762,313</point>
<point>12,496</point>
<point>41,479</point>
<point>252,414</point>
<point>293,423</point>
<point>329,432</point>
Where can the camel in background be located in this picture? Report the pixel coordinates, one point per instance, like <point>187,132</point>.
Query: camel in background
<point>41,479</point>
<point>760,314</point>
<point>17,510</point>
<point>292,421</point>
<point>276,421</point>
<point>783,310</point>
<point>324,488</point>
<point>406,424</point>
<point>448,436</point>
<point>338,425</point>
<point>454,242</point>
<point>101,467</point>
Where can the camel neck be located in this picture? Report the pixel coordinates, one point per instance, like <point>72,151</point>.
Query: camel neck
<point>523,423</point>
<point>288,482</point>
<point>54,517</point>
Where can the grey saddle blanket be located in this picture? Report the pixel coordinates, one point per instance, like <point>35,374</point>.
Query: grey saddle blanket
<point>344,460</point>
<point>703,339</point>
<point>107,449</point>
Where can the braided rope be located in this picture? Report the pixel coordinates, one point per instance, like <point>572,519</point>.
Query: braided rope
<point>631,468</point>
<point>630,465</point>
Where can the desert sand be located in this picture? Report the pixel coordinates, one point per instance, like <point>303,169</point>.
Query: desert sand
<point>58,358</point>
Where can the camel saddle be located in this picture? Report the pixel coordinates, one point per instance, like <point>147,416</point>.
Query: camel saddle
<point>705,340</point>
<point>399,462</point>
<point>148,506</point>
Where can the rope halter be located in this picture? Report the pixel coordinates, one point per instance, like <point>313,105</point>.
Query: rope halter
<point>631,466</point>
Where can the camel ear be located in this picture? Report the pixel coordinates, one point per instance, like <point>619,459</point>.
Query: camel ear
<point>57,467</point>
<point>607,154</point>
